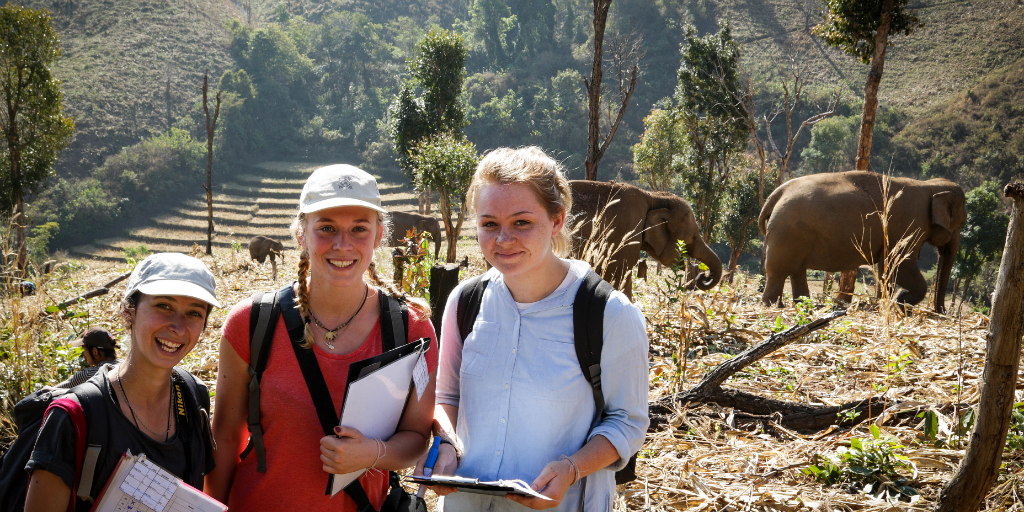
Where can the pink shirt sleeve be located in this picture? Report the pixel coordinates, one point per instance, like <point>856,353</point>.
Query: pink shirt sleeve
<point>236,328</point>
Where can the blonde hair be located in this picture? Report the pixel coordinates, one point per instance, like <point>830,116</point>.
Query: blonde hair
<point>297,229</point>
<point>529,166</point>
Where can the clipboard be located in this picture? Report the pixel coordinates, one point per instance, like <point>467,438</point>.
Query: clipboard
<point>375,395</point>
<point>138,484</point>
<point>474,485</point>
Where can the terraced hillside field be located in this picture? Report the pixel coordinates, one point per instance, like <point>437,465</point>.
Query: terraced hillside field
<point>260,201</point>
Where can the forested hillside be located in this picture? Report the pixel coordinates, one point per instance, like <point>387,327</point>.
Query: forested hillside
<point>314,80</point>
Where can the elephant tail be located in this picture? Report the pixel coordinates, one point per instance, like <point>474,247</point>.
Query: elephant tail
<point>766,211</point>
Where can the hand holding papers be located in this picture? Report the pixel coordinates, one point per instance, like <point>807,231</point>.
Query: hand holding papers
<point>375,397</point>
<point>140,485</point>
<point>474,485</point>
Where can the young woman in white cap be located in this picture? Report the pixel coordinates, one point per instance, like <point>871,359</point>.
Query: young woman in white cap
<point>166,304</point>
<point>339,225</point>
<point>514,388</point>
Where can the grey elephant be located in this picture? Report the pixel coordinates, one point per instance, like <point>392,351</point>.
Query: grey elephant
<point>629,219</point>
<point>402,222</point>
<point>260,247</point>
<point>819,221</point>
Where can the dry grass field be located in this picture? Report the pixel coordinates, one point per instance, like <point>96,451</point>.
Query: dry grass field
<point>925,368</point>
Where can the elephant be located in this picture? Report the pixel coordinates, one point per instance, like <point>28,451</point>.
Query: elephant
<point>826,221</point>
<point>260,247</point>
<point>402,222</point>
<point>652,221</point>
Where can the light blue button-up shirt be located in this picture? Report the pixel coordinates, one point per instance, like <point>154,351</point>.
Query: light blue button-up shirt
<point>523,400</point>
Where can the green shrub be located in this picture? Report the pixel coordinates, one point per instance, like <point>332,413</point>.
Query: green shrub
<point>870,463</point>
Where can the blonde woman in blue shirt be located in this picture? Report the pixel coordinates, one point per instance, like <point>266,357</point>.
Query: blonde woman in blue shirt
<point>520,405</point>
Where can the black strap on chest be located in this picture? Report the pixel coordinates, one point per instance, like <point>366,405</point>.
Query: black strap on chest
<point>394,322</point>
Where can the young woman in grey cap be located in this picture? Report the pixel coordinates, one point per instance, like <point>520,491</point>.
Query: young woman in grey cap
<point>166,304</point>
<point>339,225</point>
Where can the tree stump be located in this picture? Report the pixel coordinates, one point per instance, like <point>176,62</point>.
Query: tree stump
<point>847,284</point>
<point>980,467</point>
<point>444,277</point>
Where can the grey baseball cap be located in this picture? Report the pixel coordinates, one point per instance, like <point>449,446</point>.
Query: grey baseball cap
<point>171,273</point>
<point>339,185</point>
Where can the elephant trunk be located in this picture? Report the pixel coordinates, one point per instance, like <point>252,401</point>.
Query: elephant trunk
<point>705,255</point>
<point>947,254</point>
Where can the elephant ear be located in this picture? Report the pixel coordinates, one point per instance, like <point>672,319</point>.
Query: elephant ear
<point>942,218</point>
<point>656,232</point>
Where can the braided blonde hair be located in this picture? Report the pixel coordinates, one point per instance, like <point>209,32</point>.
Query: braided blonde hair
<point>297,229</point>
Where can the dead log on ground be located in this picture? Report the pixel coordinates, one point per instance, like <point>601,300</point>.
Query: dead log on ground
<point>102,290</point>
<point>790,415</point>
<point>980,467</point>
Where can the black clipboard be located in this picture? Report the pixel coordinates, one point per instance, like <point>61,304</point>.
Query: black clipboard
<point>474,485</point>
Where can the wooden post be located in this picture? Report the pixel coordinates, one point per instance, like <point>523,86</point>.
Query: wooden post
<point>980,466</point>
<point>443,279</point>
<point>847,284</point>
<point>398,257</point>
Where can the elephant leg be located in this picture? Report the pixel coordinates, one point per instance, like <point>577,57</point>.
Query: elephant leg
<point>798,283</point>
<point>773,286</point>
<point>914,286</point>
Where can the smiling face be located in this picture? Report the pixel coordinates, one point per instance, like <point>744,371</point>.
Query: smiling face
<point>165,328</point>
<point>514,229</point>
<point>340,242</point>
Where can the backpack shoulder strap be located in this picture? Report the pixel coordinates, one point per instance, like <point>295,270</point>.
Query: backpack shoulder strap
<point>394,320</point>
<point>469,304</point>
<point>75,411</point>
<point>266,308</point>
<point>90,397</point>
<point>588,331</point>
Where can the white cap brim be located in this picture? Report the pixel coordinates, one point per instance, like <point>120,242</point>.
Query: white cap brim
<point>175,287</point>
<point>340,201</point>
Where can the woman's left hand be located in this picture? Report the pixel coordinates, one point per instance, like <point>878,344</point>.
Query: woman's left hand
<point>554,481</point>
<point>347,450</point>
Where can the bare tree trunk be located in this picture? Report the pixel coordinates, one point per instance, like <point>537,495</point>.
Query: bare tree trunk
<point>867,120</point>
<point>847,284</point>
<point>980,467</point>
<point>19,211</point>
<point>627,53</point>
<point>211,128</point>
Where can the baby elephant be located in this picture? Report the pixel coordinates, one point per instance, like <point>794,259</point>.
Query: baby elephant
<point>260,247</point>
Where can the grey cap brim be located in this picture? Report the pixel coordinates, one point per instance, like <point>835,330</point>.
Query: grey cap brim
<point>80,342</point>
<point>340,201</point>
<point>175,287</point>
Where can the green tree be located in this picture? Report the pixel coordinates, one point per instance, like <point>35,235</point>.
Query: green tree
<point>714,124</point>
<point>742,208</point>
<point>491,20</point>
<point>833,146</point>
<point>982,236</point>
<point>446,163</point>
<point>32,116</point>
<point>663,138</point>
<point>862,28</point>
<point>438,69</point>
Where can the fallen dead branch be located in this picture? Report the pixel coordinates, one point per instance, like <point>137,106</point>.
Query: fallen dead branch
<point>102,290</point>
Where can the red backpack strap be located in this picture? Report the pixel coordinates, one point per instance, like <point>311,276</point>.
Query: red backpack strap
<point>77,415</point>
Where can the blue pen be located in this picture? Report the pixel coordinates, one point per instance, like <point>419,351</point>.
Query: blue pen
<point>428,466</point>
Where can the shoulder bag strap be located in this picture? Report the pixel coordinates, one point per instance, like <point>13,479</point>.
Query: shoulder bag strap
<point>90,400</point>
<point>394,321</point>
<point>78,420</point>
<point>469,304</point>
<point>588,332</point>
<point>262,323</point>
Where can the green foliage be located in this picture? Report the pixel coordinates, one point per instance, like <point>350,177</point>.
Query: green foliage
<point>418,260</point>
<point>135,253</point>
<point>850,25</point>
<point>437,68</point>
<point>871,463</point>
<point>663,138</point>
<point>742,206</point>
<point>1015,437</point>
<point>983,234</point>
<point>446,163</point>
<point>33,128</point>
<point>833,145</point>
<point>707,107</point>
<point>39,242</point>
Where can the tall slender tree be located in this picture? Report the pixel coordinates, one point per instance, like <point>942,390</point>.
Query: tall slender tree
<point>32,120</point>
<point>211,129</point>
<point>626,51</point>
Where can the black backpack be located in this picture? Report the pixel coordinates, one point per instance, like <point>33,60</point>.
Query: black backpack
<point>91,418</point>
<point>266,308</point>
<point>588,333</point>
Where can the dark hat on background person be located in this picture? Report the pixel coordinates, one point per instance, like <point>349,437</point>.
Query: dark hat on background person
<point>95,337</point>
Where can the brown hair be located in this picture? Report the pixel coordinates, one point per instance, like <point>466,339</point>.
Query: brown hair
<point>529,166</point>
<point>297,229</point>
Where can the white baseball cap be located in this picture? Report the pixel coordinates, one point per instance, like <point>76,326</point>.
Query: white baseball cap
<point>339,185</point>
<point>172,273</point>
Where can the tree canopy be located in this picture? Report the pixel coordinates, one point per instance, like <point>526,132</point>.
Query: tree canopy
<point>851,25</point>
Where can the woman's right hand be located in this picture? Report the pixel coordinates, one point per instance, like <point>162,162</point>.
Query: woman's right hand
<point>445,465</point>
